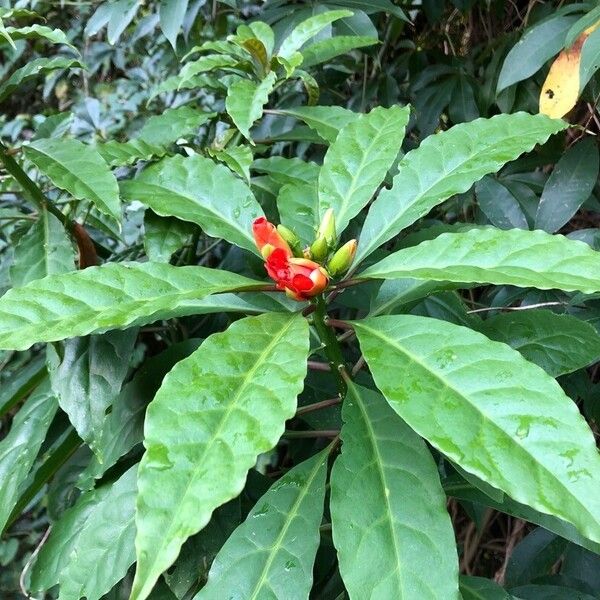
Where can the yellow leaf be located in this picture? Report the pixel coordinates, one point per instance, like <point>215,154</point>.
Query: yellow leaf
<point>561,89</point>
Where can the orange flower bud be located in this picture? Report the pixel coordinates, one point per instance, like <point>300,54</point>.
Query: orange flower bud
<point>268,239</point>
<point>301,278</point>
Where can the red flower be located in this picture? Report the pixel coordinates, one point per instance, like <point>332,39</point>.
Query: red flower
<point>301,278</point>
<point>268,239</point>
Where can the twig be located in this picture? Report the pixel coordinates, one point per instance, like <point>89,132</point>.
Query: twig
<point>360,363</point>
<point>318,406</point>
<point>315,365</point>
<point>337,323</point>
<point>30,562</point>
<point>291,435</point>
<point>512,540</point>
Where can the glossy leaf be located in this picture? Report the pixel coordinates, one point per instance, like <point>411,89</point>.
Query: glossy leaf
<point>44,250</point>
<point>122,13</point>
<point>215,412</point>
<point>559,344</point>
<point>499,205</point>
<point>87,376</point>
<point>325,50</point>
<point>287,170</point>
<point>127,153</point>
<point>298,208</point>
<point>245,101</point>
<point>569,185</point>
<point>164,236</point>
<point>197,189</point>
<point>358,160</point>
<point>488,255</point>
<point>78,169</point>
<point>112,296</point>
<point>446,164</point>
<point>20,446</point>
<point>172,124</point>
<point>307,29</point>
<point>327,121</point>
<point>387,502</point>
<point>35,68</point>
<point>539,44</point>
<point>101,551</point>
<point>498,416</point>
<point>590,59</point>
<point>238,159</point>
<point>272,553</point>
<point>479,588</point>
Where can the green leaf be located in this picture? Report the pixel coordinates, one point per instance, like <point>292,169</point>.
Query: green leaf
<point>373,6</point>
<point>271,554</point>
<point>569,185</point>
<point>122,13</point>
<point>56,36</point>
<point>479,588</point>
<point>237,158</point>
<point>245,101</point>
<point>499,205</point>
<point>590,59</point>
<point>86,378</point>
<point>324,50</point>
<point>44,250</point>
<point>327,121</point>
<point>21,383</point>
<point>215,412</point>
<point>21,445</point>
<point>287,170</point>
<point>205,64</point>
<point>194,188</point>
<point>446,164</point>
<point>297,205</point>
<point>117,154</point>
<point>387,502</point>
<point>55,553</point>
<point>34,68</point>
<point>498,416</point>
<point>102,551</point>
<point>358,160</point>
<point>559,344</point>
<point>308,29</point>
<point>171,15</point>
<point>172,124</point>
<point>108,297</point>
<point>78,169</point>
<point>488,255</point>
<point>539,44</point>
<point>163,236</point>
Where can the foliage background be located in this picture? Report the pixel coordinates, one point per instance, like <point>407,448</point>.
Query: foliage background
<point>445,59</point>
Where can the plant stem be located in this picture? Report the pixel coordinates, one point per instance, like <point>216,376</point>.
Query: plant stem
<point>317,406</point>
<point>332,348</point>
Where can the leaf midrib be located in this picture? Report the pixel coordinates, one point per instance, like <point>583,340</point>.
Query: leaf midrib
<point>291,516</point>
<point>227,413</point>
<point>485,417</point>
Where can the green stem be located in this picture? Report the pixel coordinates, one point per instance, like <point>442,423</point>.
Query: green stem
<point>32,191</point>
<point>332,348</point>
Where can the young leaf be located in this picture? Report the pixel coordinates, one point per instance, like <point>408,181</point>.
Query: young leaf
<point>325,50</point>
<point>387,502</point>
<point>308,29</point>
<point>44,250</point>
<point>87,378</point>
<point>358,160</point>
<point>490,411</point>
<point>172,124</point>
<point>35,68</point>
<point>245,101</point>
<point>196,189</point>
<point>108,297</point>
<point>569,185</point>
<point>327,121</point>
<point>20,447</point>
<point>271,554</point>
<point>164,236</point>
<point>215,412</point>
<point>446,164</point>
<point>559,344</point>
<point>78,169</point>
<point>488,255</point>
